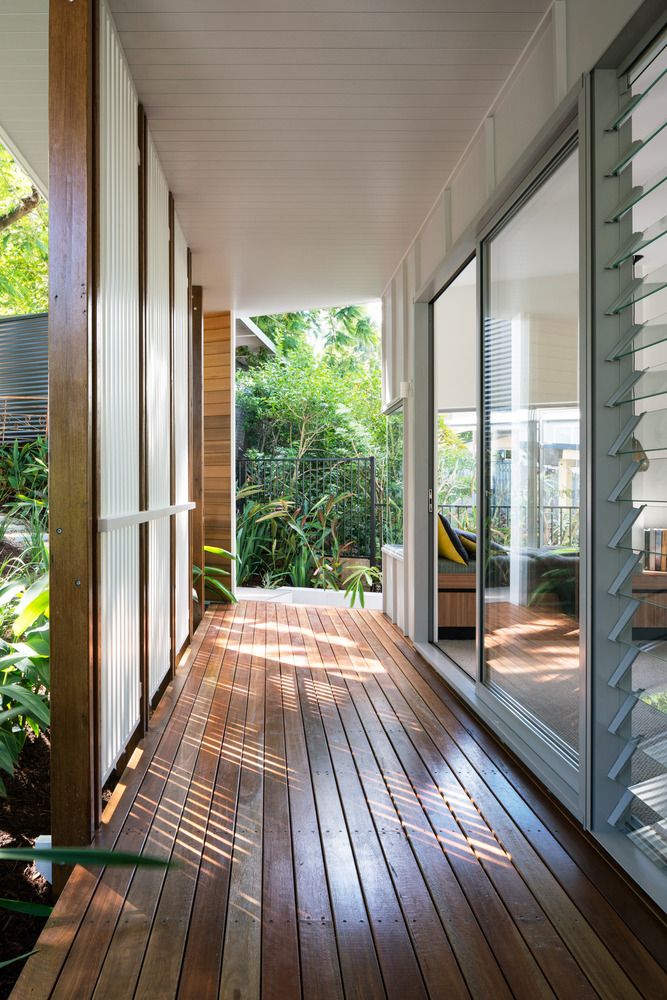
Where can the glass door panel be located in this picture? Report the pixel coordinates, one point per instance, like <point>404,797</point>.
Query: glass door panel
<point>455,482</point>
<point>532,461</point>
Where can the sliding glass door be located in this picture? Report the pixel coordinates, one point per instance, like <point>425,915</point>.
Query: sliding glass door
<point>531,435</point>
<point>455,393</point>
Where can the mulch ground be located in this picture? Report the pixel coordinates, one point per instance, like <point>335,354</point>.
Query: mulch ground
<point>24,815</point>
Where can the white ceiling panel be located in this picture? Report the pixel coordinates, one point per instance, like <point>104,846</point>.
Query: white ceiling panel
<point>23,84</point>
<point>304,140</point>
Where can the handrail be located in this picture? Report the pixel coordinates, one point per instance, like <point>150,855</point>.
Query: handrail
<point>105,524</point>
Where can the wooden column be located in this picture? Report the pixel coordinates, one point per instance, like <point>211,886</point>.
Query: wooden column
<point>218,433</point>
<point>197,450</point>
<point>72,240</point>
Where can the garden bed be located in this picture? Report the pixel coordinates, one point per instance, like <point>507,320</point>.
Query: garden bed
<point>24,815</point>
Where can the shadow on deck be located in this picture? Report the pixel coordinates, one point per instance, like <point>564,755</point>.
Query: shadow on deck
<point>343,827</point>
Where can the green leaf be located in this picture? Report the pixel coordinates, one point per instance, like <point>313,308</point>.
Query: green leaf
<point>33,703</point>
<point>33,604</point>
<point>19,958</point>
<point>11,713</point>
<point>34,909</point>
<point>6,759</point>
<point>83,856</point>
<point>214,550</point>
<point>220,587</point>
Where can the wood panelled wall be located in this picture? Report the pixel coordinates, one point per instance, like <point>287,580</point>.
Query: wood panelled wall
<point>218,432</point>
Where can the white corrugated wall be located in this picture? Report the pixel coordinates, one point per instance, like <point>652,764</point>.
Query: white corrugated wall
<point>118,399</point>
<point>181,434</point>
<point>158,417</point>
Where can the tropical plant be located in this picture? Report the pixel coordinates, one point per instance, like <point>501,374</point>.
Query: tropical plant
<point>287,542</point>
<point>24,667</point>
<point>24,469</point>
<point>212,574</point>
<point>24,258</point>
<point>358,580</point>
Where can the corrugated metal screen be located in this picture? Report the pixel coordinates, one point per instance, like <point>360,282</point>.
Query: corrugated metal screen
<point>118,399</point>
<point>24,376</point>
<point>181,434</point>
<point>158,416</point>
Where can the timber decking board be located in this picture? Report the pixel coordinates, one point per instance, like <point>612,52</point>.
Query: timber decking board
<point>344,828</point>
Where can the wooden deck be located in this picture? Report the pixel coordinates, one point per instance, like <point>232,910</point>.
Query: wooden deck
<point>343,828</point>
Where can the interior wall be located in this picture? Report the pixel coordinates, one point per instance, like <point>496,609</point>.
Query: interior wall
<point>571,37</point>
<point>219,448</point>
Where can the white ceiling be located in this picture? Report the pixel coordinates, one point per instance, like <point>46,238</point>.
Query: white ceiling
<point>304,144</point>
<point>24,26</point>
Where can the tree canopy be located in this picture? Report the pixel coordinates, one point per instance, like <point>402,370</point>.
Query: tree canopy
<point>24,251</point>
<point>320,394</point>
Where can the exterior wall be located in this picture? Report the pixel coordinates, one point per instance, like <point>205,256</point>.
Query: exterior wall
<point>219,449</point>
<point>570,38</point>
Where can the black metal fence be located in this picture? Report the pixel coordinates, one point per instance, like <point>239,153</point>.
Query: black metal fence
<point>304,481</point>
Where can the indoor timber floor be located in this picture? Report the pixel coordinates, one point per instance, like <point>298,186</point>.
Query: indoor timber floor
<point>342,827</point>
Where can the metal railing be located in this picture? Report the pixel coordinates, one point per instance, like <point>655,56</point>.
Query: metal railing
<point>304,481</point>
<point>556,525</point>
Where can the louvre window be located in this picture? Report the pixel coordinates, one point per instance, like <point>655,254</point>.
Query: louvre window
<point>640,723</point>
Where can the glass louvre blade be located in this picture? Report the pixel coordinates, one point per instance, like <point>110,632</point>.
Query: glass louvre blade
<point>638,242</point>
<point>650,589</point>
<point>644,537</point>
<point>648,70</point>
<point>655,648</point>
<point>640,338</point>
<point>637,194</point>
<point>636,100</point>
<point>649,435</point>
<point>640,586</point>
<point>650,384</point>
<point>640,289</point>
<point>652,840</point>
<point>637,147</point>
<point>653,793</point>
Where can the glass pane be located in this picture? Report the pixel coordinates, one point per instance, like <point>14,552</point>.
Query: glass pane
<point>393,501</point>
<point>455,509</point>
<point>532,435</point>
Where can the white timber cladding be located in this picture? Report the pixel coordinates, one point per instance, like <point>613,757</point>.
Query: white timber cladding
<point>181,433</point>
<point>158,416</point>
<point>117,398</point>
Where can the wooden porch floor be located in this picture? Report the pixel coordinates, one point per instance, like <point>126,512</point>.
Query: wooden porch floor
<point>343,828</point>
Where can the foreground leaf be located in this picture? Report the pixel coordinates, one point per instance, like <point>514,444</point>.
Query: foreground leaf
<point>33,909</point>
<point>83,856</point>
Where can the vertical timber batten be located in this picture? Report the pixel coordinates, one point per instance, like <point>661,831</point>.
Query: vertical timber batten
<point>219,465</point>
<point>172,462</point>
<point>72,236</point>
<point>197,487</point>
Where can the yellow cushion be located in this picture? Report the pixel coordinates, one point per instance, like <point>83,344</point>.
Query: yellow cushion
<point>468,544</point>
<point>446,548</point>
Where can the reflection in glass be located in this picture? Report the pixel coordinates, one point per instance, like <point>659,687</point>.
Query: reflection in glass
<point>532,461</point>
<point>455,507</point>
<point>393,501</point>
